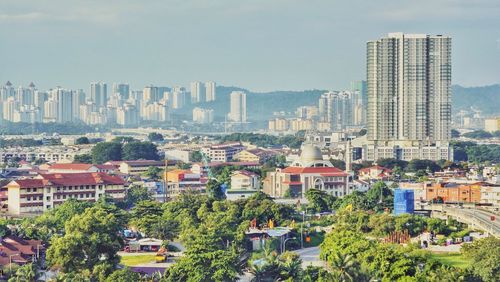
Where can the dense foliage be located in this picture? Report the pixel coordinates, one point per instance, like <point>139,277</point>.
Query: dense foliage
<point>264,140</point>
<point>472,152</point>
<point>21,128</point>
<point>117,151</point>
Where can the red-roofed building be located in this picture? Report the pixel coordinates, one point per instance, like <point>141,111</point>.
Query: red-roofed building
<point>309,171</point>
<point>19,251</point>
<point>375,172</point>
<point>49,190</point>
<point>72,168</point>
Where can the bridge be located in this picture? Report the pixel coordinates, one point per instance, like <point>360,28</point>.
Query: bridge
<point>475,218</point>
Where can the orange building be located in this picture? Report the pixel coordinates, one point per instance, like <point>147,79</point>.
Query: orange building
<point>454,192</point>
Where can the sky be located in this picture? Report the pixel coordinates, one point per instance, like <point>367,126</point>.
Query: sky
<point>261,45</point>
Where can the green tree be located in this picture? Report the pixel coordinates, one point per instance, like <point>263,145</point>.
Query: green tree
<point>89,237</point>
<point>343,267</point>
<point>380,196</point>
<point>83,159</point>
<point>135,194</point>
<point>106,151</point>
<point>214,190</point>
<point>140,150</point>
<point>25,273</point>
<point>485,258</point>
<point>82,140</point>
<point>155,137</point>
<point>124,275</point>
<point>340,164</point>
<point>196,156</point>
<point>319,201</point>
<point>145,216</point>
<point>153,172</point>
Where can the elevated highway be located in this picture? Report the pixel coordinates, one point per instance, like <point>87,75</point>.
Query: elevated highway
<point>475,218</point>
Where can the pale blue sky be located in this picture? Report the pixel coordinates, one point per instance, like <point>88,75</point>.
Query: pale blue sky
<point>260,45</point>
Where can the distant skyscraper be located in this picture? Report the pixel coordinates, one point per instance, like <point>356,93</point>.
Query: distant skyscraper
<point>197,92</point>
<point>99,94</point>
<point>122,90</point>
<point>210,88</point>
<point>178,98</point>
<point>337,108</point>
<point>409,88</point>
<point>64,99</point>
<point>238,103</point>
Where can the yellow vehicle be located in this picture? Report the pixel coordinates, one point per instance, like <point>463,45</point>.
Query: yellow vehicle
<point>161,255</point>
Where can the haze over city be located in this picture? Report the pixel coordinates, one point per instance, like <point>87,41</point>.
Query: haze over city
<point>258,45</point>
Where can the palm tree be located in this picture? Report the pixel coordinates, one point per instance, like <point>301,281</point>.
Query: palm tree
<point>25,273</point>
<point>343,267</point>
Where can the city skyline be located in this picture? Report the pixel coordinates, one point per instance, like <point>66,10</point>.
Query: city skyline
<point>206,47</point>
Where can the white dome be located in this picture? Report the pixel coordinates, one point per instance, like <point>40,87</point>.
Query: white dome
<point>310,153</point>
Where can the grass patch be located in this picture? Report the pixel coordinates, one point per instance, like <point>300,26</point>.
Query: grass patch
<point>137,260</point>
<point>452,259</point>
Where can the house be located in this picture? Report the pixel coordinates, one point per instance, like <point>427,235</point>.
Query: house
<point>46,191</point>
<point>374,173</point>
<point>19,251</point>
<point>202,169</point>
<point>307,172</point>
<point>243,184</point>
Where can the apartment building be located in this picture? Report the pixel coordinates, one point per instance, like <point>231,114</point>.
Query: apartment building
<point>46,191</point>
<point>223,152</point>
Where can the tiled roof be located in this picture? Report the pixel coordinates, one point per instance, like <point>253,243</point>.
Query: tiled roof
<point>71,166</point>
<point>321,170</point>
<point>70,179</point>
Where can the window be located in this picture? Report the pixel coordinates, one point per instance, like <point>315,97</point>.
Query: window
<point>40,198</point>
<point>28,199</point>
<point>34,189</point>
<point>29,190</point>
<point>64,196</point>
<point>48,198</point>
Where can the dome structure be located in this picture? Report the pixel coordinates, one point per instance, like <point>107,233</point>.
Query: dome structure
<point>310,153</point>
<point>311,156</point>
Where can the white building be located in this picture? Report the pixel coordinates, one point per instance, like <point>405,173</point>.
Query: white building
<point>203,116</point>
<point>197,92</point>
<point>210,87</point>
<point>238,111</point>
<point>99,94</point>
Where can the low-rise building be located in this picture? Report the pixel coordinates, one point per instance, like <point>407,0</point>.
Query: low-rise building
<point>181,180</point>
<point>375,172</point>
<point>19,251</point>
<point>243,184</point>
<point>222,152</point>
<point>137,167</point>
<point>254,155</point>
<point>309,171</point>
<point>47,191</point>
<point>454,193</point>
<point>490,194</point>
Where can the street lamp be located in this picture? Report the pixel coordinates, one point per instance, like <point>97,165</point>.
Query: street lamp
<point>283,247</point>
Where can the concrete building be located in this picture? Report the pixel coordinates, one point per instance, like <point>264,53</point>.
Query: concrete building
<point>136,167</point>
<point>211,89</point>
<point>180,180</point>
<point>409,93</point>
<point>197,92</point>
<point>492,124</point>
<point>47,191</point>
<point>278,124</point>
<point>203,116</point>
<point>99,94</point>
<point>222,152</point>
<point>238,105</point>
<point>309,171</point>
<point>243,184</point>
<point>122,90</point>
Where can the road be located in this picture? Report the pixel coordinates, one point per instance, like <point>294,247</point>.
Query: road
<point>310,256</point>
<point>480,218</point>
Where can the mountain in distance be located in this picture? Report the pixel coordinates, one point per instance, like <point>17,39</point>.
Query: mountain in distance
<point>262,105</point>
<point>483,98</point>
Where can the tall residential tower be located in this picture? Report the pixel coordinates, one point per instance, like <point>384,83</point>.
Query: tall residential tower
<point>409,97</point>
<point>409,88</point>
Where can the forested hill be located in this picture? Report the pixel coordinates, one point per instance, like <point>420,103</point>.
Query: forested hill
<point>260,106</point>
<point>484,98</point>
